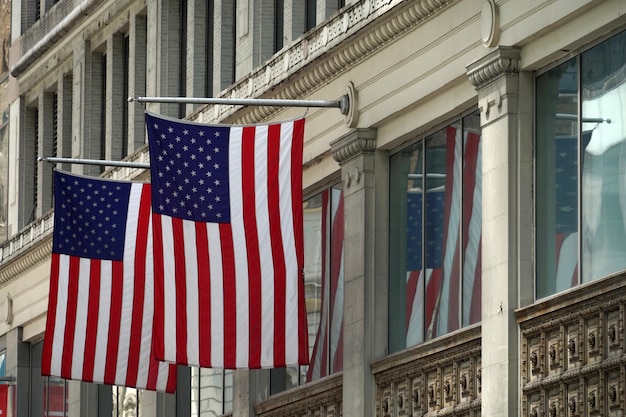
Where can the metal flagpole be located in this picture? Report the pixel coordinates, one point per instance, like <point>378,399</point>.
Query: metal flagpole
<point>343,104</point>
<point>95,162</point>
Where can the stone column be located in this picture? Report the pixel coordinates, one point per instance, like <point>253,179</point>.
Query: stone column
<point>506,228</point>
<point>18,368</point>
<point>363,338</point>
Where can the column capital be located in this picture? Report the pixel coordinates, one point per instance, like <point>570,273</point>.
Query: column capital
<point>356,143</point>
<point>503,61</point>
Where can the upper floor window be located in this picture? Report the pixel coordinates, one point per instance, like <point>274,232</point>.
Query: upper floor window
<point>435,234</point>
<point>581,168</point>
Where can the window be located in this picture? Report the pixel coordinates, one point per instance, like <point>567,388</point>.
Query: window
<point>435,235</point>
<point>126,401</point>
<point>323,286</point>
<point>48,395</point>
<point>211,392</point>
<point>581,168</point>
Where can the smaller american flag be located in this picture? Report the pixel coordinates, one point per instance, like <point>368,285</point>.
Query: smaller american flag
<point>100,308</point>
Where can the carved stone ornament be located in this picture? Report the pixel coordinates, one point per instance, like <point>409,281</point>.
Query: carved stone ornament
<point>591,400</point>
<point>612,394</point>
<point>612,333</point>
<point>571,405</point>
<point>552,410</point>
<point>353,145</point>
<point>490,23</point>
<point>592,340</point>
<point>501,62</point>
<point>571,346</point>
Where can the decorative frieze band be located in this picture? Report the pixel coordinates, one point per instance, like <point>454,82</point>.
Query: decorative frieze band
<point>354,144</point>
<point>502,62</point>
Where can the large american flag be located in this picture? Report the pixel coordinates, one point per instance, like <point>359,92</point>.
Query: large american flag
<point>227,204</point>
<point>451,229</point>
<point>100,309</point>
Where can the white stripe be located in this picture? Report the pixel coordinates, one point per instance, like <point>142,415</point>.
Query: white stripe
<point>61,316</point>
<point>145,354</point>
<point>568,259</point>
<point>217,296</point>
<point>128,292</point>
<point>163,375</point>
<point>170,331</point>
<point>239,246</point>
<point>265,247</point>
<point>191,274</point>
<point>80,325</point>
<point>104,311</point>
<point>473,244</point>
<point>293,275</point>
<point>451,238</point>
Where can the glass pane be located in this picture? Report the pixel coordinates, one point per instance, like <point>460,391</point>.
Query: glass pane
<point>442,214</point>
<point>56,398</point>
<point>406,280</point>
<point>556,179</point>
<point>211,397</point>
<point>472,219</point>
<point>603,95</point>
<point>314,259</point>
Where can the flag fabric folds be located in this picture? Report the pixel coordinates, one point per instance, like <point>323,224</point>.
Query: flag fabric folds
<point>227,223</point>
<point>434,290</point>
<point>100,308</point>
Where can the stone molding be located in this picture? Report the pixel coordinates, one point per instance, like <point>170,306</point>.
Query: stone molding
<point>321,397</point>
<point>439,377</point>
<point>324,54</point>
<point>504,61</point>
<point>354,144</point>
<point>39,253</point>
<point>573,352</point>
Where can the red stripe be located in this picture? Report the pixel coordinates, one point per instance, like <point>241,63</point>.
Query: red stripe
<point>46,362</point>
<point>171,379</point>
<point>181,291</point>
<point>470,162</point>
<point>70,318</point>
<point>252,246</point>
<point>297,145</point>
<point>475,310</point>
<point>336,246</point>
<point>230,296</point>
<point>276,240</point>
<point>158,329</point>
<point>93,308</point>
<point>143,222</point>
<point>113,342</point>
<point>204,295</point>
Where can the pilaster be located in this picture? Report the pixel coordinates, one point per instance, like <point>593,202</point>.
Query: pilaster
<point>506,175</point>
<point>355,153</point>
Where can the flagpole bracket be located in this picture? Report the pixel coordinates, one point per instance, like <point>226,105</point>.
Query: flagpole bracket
<point>349,106</point>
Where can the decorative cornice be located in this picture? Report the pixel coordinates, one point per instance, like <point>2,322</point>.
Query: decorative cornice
<point>502,62</point>
<point>356,143</point>
<point>311,397</point>
<point>324,54</point>
<point>26,261</point>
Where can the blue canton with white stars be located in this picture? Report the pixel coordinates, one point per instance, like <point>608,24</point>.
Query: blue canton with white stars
<point>89,217</point>
<point>434,230</point>
<point>189,169</point>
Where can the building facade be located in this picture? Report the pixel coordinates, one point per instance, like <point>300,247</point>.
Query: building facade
<point>465,217</point>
